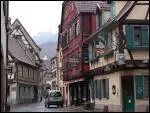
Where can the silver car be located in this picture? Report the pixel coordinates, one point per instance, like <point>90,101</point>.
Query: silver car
<point>54,97</point>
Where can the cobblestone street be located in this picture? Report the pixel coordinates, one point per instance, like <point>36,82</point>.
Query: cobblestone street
<point>39,107</point>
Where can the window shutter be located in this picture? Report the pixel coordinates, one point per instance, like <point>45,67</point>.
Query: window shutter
<point>97,22</point>
<point>103,18</point>
<point>139,87</point>
<point>107,88</point>
<point>99,89</point>
<point>95,88</point>
<point>146,87</point>
<point>129,36</point>
<point>145,38</point>
<point>112,9</point>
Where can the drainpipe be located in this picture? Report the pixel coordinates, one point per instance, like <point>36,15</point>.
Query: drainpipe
<point>7,36</point>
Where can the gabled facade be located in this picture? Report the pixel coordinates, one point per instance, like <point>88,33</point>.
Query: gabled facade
<point>119,58</point>
<point>25,62</point>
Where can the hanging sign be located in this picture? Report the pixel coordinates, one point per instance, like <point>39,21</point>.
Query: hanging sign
<point>121,59</point>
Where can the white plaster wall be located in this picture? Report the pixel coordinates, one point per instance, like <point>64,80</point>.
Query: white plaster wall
<point>13,94</point>
<point>114,79</point>
<point>119,5</point>
<point>135,13</point>
<point>107,15</point>
<point>137,54</point>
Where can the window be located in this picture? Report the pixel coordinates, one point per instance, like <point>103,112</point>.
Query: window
<point>142,87</point>
<point>146,86</point>
<point>75,30</point>
<point>78,28</point>
<point>137,36</point>
<point>108,41</point>
<point>28,73</point>
<point>19,91</point>
<point>25,72</point>
<point>140,36</point>
<point>98,20</point>
<point>104,88</point>
<point>87,24</point>
<point>70,33</point>
<point>33,74</point>
<point>55,94</point>
<point>20,70</point>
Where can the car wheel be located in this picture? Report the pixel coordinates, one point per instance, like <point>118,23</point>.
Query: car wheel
<point>48,106</point>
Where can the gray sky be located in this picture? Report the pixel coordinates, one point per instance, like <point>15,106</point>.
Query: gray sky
<point>37,16</point>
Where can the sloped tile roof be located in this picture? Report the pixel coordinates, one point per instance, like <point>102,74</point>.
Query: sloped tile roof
<point>104,5</point>
<point>86,6</point>
<point>18,52</point>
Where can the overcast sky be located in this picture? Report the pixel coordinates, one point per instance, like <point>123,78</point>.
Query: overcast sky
<point>37,16</point>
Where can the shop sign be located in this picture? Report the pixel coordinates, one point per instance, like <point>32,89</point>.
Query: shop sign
<point>121,59</point>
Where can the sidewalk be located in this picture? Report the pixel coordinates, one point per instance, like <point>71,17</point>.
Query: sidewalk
<point>81,108</point>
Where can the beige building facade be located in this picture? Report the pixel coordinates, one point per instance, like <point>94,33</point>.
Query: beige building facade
<point>119,71</point>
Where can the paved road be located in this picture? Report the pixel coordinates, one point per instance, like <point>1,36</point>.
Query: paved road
<point>39,107</point>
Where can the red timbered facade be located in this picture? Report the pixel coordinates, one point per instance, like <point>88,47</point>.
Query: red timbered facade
<point>77,23</point>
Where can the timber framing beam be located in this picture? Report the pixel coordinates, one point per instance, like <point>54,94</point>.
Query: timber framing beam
<point>147,13</point>
<point>114,67</point>
<point>142,3</point>
<point>135,22</point>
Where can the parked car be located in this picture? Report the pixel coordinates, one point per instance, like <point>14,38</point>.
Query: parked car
<point>54,97</point>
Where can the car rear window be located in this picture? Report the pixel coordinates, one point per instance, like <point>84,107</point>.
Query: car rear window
<point>55,94</point>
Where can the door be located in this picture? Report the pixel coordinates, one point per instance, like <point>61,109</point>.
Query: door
<point>128,93</point>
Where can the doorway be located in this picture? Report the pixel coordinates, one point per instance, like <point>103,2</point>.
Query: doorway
<point>128,93</point>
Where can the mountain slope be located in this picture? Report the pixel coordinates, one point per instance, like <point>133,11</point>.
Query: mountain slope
<point>48,49</point>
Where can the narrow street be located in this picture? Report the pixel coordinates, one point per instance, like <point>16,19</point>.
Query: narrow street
<point>39,107</point>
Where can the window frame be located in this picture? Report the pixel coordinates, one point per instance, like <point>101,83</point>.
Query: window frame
<point>141,44</point>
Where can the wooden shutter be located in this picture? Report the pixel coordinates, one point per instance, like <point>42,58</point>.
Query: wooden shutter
<point>139,87</point>
<point>112,9</point>
<point>99,89</point>
<point>146,87</point>
<point>129,36</point>
<point>145,38</point>
<point>107,88</point>
<point>95,86</point>
<point>103,18</point>
<point>97,21</point>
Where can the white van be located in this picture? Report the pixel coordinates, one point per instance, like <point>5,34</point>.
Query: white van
<point>54,97</point>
